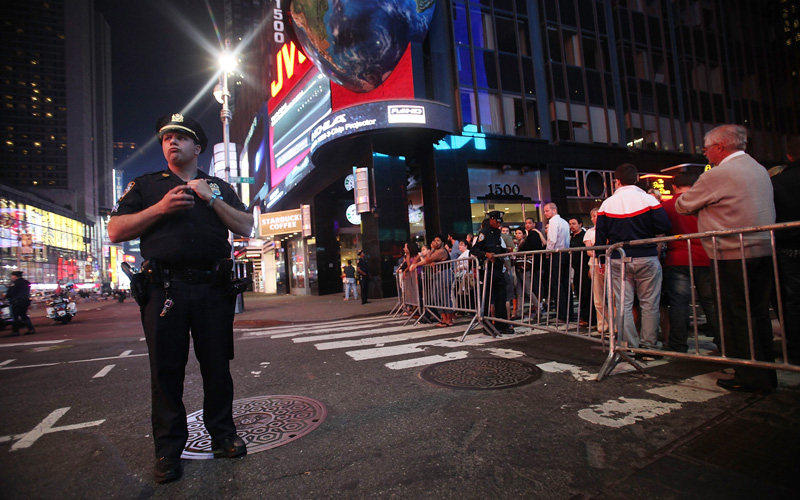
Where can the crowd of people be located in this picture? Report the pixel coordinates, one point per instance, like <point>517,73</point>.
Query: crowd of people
<point>736,193</point>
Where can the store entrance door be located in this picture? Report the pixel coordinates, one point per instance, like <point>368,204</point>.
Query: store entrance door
<point>298,268</point>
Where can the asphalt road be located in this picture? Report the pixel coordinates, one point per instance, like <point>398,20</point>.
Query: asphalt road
<point>75,420</point>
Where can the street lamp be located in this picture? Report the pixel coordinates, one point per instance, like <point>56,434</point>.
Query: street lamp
<point>227,63</point>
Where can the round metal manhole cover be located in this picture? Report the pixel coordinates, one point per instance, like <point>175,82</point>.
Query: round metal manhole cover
<point>481,373</point>
<point>264,422</point>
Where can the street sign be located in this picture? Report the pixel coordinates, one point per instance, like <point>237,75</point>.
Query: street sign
<point>243,180</point>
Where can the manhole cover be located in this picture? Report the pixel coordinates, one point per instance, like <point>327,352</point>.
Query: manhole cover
<point>263,422</point>
<point>481,373</point>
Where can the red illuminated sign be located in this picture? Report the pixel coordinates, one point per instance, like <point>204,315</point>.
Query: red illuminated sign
<point>288,60</point>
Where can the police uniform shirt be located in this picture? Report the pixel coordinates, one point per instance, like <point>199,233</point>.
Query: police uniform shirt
<point>489,241</point>
<point>192,238</point>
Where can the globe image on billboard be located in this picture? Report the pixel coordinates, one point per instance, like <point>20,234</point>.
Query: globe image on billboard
<point>358,43</point>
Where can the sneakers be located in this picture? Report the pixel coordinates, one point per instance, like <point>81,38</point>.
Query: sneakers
<point>229,447</point>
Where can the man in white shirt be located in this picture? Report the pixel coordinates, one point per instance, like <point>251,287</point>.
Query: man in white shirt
<point>558,238</point>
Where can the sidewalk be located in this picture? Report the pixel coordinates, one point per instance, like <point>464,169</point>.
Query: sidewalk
<point>269,309</point>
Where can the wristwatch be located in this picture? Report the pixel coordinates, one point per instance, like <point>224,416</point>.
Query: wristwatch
<point>213,199</point>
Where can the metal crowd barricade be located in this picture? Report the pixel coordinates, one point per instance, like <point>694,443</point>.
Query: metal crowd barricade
<point>409,284</point>
<point>452,286</point>
<point>400,305</point>
<point>619,350</point>
<point>544,286</point>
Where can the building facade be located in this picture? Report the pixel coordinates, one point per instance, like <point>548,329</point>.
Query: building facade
<point>56,155</point>
<point>521,103</point>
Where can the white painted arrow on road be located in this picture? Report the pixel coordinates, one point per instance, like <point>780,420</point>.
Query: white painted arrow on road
<point>45,427</point>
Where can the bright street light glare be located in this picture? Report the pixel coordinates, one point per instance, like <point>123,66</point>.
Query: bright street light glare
<point>227,62</point>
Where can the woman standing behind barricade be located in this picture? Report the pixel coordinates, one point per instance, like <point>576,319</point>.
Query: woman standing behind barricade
<point>411,255</point>
<point>527,268</point>
<point>595,274</point>
<point>442,281</point>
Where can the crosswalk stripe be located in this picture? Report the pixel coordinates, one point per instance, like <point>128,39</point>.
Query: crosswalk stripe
<point>343,344</point>
<point>295,330</point>
<point>382,352</point>
<point>364,333</point>
<point>426,360</point>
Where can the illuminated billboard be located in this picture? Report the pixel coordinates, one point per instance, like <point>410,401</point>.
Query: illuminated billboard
<point>307,111</point>
<point>290,124</point>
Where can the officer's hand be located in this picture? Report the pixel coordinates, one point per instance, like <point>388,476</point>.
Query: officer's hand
<point>201,187</point>
<point>177,199</point>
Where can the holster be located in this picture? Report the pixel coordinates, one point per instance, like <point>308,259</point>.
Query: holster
<point>223,277</point>
<point>140,283</point>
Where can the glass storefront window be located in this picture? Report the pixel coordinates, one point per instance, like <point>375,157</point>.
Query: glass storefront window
<point>514,190</point>
<point>297,263</point>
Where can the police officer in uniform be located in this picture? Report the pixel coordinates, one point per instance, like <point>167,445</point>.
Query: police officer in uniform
<point>488,244</point>
<point>183,216</point>
<point>19,297</point>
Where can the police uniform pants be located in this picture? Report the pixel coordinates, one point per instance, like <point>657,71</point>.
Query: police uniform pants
<point>19,315</point>
<point>207,312</point>
<point>495,291</point>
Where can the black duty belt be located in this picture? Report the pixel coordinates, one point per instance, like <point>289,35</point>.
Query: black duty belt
<point>191,275</point>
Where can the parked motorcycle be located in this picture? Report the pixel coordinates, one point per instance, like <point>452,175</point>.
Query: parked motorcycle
<point>61,309</point>
<point>5,314</point>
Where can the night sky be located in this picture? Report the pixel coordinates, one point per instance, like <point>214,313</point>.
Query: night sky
<point>161,60</point>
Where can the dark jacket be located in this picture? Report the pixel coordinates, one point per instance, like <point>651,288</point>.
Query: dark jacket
<point>786,189</point>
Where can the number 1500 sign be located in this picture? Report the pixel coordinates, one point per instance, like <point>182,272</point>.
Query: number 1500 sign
<point>504,190</point>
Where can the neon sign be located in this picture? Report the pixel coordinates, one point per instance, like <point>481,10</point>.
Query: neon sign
<point>286,61</point>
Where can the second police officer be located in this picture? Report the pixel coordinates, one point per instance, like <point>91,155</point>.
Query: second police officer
<point>487,245</point>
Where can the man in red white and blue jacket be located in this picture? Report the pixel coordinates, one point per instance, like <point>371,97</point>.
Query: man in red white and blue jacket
<point>632,214</point>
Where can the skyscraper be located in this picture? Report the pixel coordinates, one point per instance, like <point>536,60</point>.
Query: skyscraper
<point>56,128</point>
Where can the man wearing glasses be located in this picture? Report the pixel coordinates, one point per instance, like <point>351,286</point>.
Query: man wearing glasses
<point>737,193</point>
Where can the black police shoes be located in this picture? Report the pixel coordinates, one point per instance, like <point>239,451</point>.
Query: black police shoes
<point>732,384</point>
<point>229,447</point>
<point>167,469</point>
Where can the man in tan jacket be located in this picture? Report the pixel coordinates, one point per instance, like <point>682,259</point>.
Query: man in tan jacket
<point>737,193</point>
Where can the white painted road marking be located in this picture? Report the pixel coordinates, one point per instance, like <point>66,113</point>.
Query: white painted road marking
<point>6,362</point>
<point>124,355</point>
<point>285,331</point>
<point>45,427</point>
<point>622,411</point>
<point>400,337</point>
<point>40,342</point>
<point>427,360</point>
<point>104,371</point>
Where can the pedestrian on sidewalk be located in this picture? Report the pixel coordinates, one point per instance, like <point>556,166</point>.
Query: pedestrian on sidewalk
<point>350,281</point>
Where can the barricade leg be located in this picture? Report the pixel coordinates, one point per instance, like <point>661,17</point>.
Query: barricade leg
<point>789,267</point>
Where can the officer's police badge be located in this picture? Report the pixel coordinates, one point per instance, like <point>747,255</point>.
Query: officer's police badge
<point>214,188</point>
<point>481,237</point>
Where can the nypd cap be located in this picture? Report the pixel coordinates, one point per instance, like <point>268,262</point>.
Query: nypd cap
<point>496,215</point>
<point>178,123</point>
